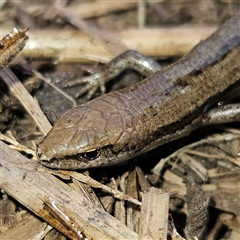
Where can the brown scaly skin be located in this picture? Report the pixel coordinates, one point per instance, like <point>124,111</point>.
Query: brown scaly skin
<point>167,105</point>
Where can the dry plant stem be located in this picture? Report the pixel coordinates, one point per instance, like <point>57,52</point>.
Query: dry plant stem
<point>142,13</point>
<point>28,186</point>
<point>75,46</point>
<point>159,9</point>
<point>211,140</point>
<point>50,13</point>
<point>93,183</point>
<point>202,154</point>
<point>99,8</point>
<point>154,215</point>
<point>175,189</point>
<point>17,146</point>
<point>211,156</point>
<point>111,43</point>
<point>30,105</point>
<point>173,178</point>
<point>85,9</point>
<point>195,166</point>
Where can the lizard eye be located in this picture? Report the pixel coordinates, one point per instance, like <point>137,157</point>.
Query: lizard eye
<point>91,155</point>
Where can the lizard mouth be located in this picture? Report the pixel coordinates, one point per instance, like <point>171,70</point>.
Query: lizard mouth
<point>64,164</point>
<point>77,161</point>
<point>56,164</point>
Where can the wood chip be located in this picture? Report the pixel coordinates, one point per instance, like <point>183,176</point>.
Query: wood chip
<point>29,228</point>
<point>133,211</point>
<point>144,184</point>
<point>11,45</point>
<point>154,215</point>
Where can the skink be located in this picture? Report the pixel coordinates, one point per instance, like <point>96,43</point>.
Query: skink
<point>165,106</point>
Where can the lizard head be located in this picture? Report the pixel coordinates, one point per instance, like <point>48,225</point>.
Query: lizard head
<point>91,135</point>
